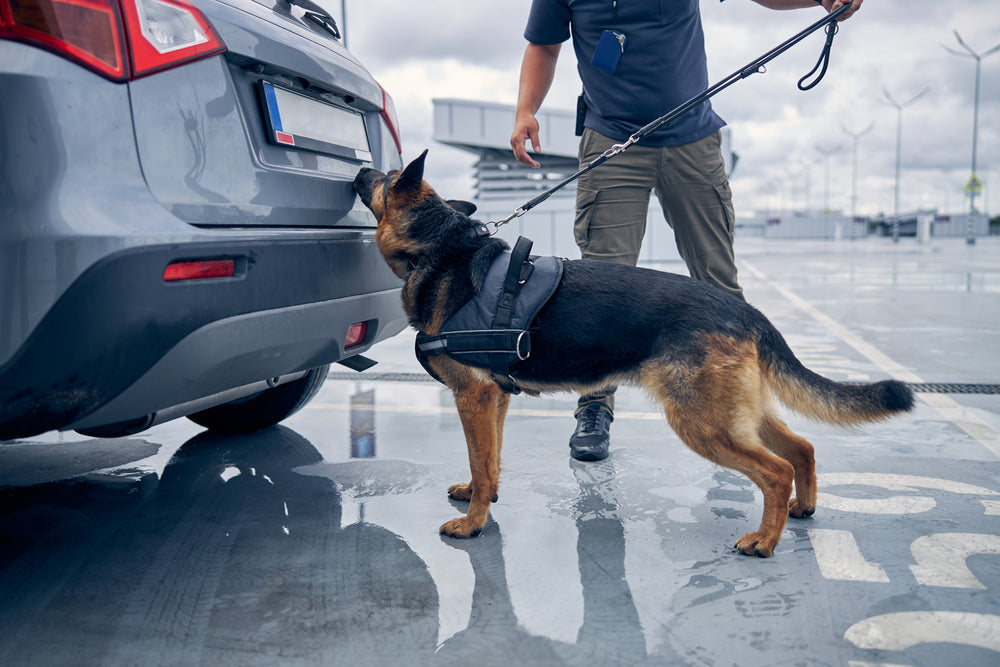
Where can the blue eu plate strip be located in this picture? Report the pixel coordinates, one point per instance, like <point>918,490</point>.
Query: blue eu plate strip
<point>272,107</point>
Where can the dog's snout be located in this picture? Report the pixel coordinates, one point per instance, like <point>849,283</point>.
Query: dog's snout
<point>364,183</point>
<point>367,173</point>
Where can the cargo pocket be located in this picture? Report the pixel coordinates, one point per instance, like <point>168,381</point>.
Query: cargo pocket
<point>586,205</point>
<point>725,194</point>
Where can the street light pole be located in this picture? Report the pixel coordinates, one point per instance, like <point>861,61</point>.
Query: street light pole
<point>826,153</point>
<point>343,20</point>
<point>855,137</point>
<point>899,150</point>
<point>974,186</point>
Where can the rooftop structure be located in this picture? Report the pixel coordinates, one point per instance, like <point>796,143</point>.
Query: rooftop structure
<point>484,129</point>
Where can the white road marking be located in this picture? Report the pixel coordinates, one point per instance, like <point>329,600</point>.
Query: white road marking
<point>891,482</point>
<point>900,631</point>
<point>951,410</point>
<point>941,558</point>
<point>839,557</point>
<point>894,505</point>
<point>895,482</point>
<point>991,507</point>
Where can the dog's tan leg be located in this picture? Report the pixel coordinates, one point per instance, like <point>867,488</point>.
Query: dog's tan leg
<point>464,491</point>
<point>800,453</point>
<point>770,473</point>
<point>773,476</point>
<point>503,402</point>
<point>717,409</point>
<point>479,408</point>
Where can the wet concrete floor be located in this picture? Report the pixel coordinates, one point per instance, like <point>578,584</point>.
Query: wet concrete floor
<point>315,543</point>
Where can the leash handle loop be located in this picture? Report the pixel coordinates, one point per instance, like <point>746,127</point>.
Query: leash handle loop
<point>824,60</point>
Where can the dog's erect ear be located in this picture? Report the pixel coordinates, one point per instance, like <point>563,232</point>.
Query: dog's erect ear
<point>466,207</point>
<point>413,175</point>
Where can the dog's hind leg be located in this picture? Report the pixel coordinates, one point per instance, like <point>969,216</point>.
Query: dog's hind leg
<point>800,453</point>
<point>481,408</point>
<point>717,411</point>
<point>773,475</point>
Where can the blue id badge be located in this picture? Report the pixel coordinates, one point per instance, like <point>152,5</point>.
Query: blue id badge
<point>609,51</point>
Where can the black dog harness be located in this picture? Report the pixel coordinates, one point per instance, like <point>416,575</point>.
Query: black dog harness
<point>492,330</point>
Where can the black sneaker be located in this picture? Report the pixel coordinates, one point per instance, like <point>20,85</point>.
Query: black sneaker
<point>592,438</point>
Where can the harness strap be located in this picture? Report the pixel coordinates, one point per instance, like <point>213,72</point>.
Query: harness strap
<point>499,343</point>
<point>457,343</point>
<point>517,274</point>
<point>422,357</point>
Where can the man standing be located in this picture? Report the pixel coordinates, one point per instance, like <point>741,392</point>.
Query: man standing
<point>637,59</point>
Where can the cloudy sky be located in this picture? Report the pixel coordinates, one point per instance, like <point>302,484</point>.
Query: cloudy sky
<point>471,49</point>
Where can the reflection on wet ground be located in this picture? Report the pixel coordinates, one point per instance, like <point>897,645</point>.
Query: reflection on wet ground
<point>233,556</point>
<point>229,556</point>
<point>316,542</point>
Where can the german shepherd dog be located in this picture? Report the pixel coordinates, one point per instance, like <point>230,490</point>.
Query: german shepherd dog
<point>712,361</point>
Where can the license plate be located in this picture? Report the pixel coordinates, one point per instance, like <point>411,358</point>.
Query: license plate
<point>309,124</point>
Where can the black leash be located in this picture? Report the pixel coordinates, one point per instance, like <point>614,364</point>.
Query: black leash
<point>757,66</point>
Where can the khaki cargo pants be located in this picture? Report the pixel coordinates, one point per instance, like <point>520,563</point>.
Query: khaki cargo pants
<point>690,182</point>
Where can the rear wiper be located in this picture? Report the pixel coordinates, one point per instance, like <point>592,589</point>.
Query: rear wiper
<point>317,15</point>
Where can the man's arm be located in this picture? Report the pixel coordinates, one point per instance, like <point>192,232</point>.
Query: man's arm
<point>538,68</point>
<point>829,5</point>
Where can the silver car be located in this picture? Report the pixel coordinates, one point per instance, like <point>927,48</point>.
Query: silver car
<point>178,231</point>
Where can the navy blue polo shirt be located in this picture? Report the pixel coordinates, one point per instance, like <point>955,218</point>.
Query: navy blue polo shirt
<point>663,64</point>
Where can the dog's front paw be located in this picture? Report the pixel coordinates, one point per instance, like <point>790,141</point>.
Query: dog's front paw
<point>799,509</point>
<point>460,528</point>
<point>756,544</point>
<point>464,492</point>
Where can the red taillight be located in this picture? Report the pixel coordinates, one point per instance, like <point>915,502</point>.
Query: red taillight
<point>118,39</point>
<point>391,119</point>
<point>87,31</point>
<point>355,334</point>
<point>199,269</point>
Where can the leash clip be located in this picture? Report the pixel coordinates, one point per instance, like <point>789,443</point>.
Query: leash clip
<point>615,150</point>
<point>497,224</point>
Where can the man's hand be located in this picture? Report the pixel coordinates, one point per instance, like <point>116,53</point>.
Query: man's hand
<point>537,70</point>
<point>525,130</point>
<point>828,5</point>
<point>834,5</point>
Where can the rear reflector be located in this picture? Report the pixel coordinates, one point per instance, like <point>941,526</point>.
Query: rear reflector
<point>355,334</point>
<point>167,33</point>
<point>200,270</point>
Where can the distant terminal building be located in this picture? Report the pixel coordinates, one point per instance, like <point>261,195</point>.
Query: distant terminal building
<point>484,129</point>
<point>502,184</point>
<point>922,224</point>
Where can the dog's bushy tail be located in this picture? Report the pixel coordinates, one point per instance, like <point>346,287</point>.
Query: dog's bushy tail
<point>820,398</point>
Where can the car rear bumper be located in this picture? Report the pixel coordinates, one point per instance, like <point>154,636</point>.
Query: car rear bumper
<point>121,326</point>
